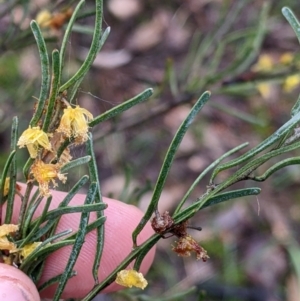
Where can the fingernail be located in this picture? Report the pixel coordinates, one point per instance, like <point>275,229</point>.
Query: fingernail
<point>10,290</point>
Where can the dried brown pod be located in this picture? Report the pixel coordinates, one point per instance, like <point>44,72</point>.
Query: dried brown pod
<point>187,244</point>
<point>162,223</point>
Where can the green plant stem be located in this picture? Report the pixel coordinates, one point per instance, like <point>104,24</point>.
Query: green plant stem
<point>24,204</point>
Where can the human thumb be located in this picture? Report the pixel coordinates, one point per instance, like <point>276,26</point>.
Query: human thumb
<point>15,285</point>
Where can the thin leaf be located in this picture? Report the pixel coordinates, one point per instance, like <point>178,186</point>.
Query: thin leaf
<point>24,204</point>
<point>52,224</point>
<point>94,48</point>
<point>172,78</point>
<point>74,87</point>
<point>26,167</point>
<point>289,15</point>
<point>28,238</point>
<point>75,163</point>
<point>58,212</point>
<point>122,107</point>
<point>67,35</point>
<point>37,251</point>
<point>142,254</point>
<point>54,90</point>
<point>29,214</point>
<point>45,84</point>
<point>296,107</point>
<point>43,253</point>
<point>77,244</point>
<point>168,162</point>
<point>277,166</point>
<point>244,172</point>
<point>13,174</point>
<point>281,132</point>
<point>208,200</point>
<point>93,171</point>
<point>230,195</point>
<point>54,280</point>
<point>37,272</point>
<point>91,226</point>
<point>225,22</point>
<point>4,175</point>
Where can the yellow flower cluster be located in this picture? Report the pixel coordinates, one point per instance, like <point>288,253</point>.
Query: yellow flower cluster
<point>33,139</point>
<point>55,20</point>
<point>28,249</point>
<point>45,173</point>
<point>74,123</point>
<point>130,278</point>
<point>8,248</point>
<point>43,18</point>
<point>73,126</point>
<point>5,243</point>
<point>291,82</point>
<point>266,63</point>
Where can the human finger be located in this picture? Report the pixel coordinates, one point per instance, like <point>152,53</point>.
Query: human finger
<point>121,220</point>
<point>15,285</point>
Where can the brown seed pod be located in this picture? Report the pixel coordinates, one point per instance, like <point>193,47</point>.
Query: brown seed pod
<point>162,223</point>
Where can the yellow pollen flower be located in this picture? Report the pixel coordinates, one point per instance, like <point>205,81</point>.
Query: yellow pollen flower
<point>54,20</point>
<point>74,123</point>
<point>43,18</point>
<point>265,63</point>
<point>5,230</point>
<point>5,244</point>
<point>130,278</point>
<point>286,58</point>
<point>291,82</point>
<point>33,138</point>
<point>265,90</point>
<point>28,249</point>
<point>46,173</point>
<point>6,186</point>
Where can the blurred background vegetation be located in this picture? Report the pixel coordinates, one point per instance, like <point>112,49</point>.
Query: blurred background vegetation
<point>246,54</point>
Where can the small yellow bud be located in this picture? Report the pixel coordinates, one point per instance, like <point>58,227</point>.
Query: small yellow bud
<point>265,63</point>
<point>43,18</point>
<point>291,82</point>
<point>286,58</point>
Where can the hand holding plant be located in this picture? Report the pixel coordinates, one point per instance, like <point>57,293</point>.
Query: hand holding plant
<point>117,245</point>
